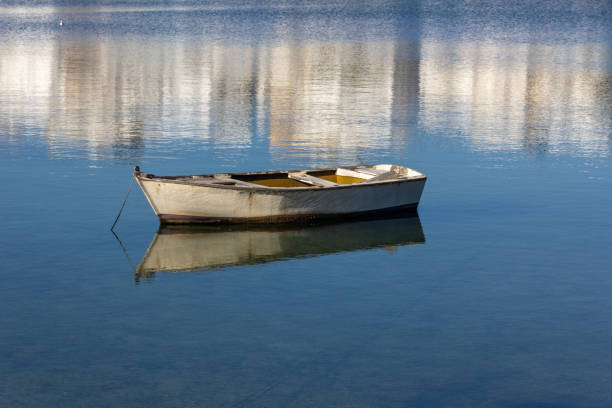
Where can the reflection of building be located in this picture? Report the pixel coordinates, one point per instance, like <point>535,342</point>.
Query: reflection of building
<point>405,105</point>
<point>340,96</point>
<point>337,99</point>
<point>25,81</point>
<point>93,100</point>
<point>516,96</point>
<point>233,83</point>
<point>329,98</point>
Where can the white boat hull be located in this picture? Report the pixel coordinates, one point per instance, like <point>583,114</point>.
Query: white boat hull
<point>182,202</point>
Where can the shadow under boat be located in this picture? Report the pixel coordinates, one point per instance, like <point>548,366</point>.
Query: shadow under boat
<point>201,248</point>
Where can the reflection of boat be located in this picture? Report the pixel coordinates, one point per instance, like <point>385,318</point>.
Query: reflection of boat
<point>200,248</point>
<point>282,196</point>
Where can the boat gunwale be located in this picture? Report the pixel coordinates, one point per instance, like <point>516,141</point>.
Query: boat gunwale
<point>140,176</point>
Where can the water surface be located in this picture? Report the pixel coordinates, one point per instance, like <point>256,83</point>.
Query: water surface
<point>504,301</point>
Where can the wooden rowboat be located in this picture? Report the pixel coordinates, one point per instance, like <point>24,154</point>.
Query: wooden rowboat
<point>282,196</point>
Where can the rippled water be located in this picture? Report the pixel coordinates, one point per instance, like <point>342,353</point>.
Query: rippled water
<point>497,295</point>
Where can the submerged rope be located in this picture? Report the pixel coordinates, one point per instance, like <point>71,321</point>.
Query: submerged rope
<point>125,252</point>
<point>123,205</point>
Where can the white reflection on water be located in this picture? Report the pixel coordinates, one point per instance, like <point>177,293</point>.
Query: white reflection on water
<point>315,98</point>
<point>518,96</point>
<point>127,96</point>
<point>204,248</point>
<point>340,98</point>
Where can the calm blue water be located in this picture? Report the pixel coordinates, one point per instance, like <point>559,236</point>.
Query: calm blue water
<point>498,295</point>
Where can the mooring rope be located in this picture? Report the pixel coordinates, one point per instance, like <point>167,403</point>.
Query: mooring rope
<point>125,252</point>
<point>123,205</point>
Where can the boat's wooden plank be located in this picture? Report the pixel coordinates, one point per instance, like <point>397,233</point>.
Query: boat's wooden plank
<point>192,179</point>
<point>219,180</point>
<point>370,170</point>
<point>313,181</point>
<point>388,175</point>
<point>359,173</point>
<point>233,181</point>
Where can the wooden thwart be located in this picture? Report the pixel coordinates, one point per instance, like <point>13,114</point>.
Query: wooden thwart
<point>388,175</point>
<point>313,181</point>
<point>231,182</point>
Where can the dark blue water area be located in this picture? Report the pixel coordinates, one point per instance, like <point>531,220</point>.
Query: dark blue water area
<point>507,302</point>
<point>497,295</point>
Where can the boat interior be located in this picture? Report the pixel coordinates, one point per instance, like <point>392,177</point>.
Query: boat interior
<point>306,178</point>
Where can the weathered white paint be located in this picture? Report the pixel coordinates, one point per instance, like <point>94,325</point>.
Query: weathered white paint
<point>245,201</point>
